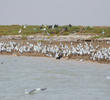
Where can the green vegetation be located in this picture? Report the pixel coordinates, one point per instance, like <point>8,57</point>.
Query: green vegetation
<point>53,30</point>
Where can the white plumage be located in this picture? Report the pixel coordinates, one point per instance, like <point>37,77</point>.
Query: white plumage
<point>33,91</point>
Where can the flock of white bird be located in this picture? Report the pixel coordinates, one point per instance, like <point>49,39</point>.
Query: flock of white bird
<point>62,50</point>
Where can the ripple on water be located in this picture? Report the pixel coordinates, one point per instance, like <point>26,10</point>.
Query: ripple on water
<point>65,80</point>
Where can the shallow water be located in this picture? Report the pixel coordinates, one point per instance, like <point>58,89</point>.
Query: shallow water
<point>64,79</point>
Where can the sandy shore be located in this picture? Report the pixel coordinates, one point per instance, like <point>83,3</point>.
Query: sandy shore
<point>71,37</point>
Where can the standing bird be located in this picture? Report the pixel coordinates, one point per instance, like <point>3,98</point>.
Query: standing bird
<point>20,31</point>
<point>103,32</point>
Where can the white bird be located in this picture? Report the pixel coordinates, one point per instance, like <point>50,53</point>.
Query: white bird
<point>24,26</point>
<point>33,91</point>
<point>44,29</point>
<point>20,31</point>
<point>103,32</point>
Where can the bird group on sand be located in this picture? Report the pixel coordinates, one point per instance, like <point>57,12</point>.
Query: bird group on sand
<point>95,53</point>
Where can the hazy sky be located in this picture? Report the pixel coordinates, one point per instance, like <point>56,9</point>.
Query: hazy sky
<point>76,12</point>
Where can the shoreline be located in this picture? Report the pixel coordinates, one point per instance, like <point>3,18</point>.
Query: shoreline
<point>66,58</point>
<point>63,59</point>
<point>12,47</point>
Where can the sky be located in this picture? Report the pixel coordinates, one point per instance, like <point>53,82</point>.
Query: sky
<point>62,12</point>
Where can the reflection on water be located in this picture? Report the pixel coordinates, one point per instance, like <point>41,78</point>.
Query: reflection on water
<point>64,79</point>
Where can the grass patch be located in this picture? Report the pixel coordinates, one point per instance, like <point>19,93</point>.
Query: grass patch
<point>57,30</point>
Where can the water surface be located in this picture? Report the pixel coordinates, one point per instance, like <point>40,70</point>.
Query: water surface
<point>64,79</point>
